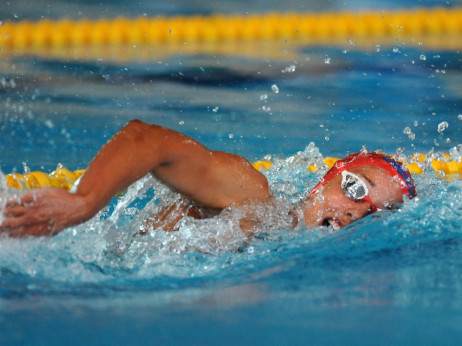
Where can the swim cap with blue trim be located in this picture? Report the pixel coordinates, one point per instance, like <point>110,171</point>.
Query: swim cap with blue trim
<point>394,168</point>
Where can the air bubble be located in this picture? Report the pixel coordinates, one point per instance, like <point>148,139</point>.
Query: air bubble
<point>263,97</point>
<point>459,116</point>
<point>423,57</point>
<point>407,130</point>
<point>275,88</point>
<point>266,108</point>
<point>442,126</point>
<point>327,60</point>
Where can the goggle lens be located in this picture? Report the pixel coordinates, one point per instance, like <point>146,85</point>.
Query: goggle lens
<point>355,189</point>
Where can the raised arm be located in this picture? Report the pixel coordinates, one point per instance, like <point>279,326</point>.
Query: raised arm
<point>210,178</point>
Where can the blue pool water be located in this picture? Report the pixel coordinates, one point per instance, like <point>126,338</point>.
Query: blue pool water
<point>392,278</point>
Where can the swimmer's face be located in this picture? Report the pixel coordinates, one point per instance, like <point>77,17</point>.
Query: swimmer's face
<point>330,207</point>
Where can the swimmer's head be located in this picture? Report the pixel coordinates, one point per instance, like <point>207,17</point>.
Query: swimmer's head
<point>356,186</point>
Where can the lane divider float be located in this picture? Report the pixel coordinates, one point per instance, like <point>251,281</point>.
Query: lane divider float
<point>446,169</point>
<point>65,33</point>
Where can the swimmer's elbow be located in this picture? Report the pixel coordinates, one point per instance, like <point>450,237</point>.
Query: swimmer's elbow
<point>136,128</point>
<point>140,131</point>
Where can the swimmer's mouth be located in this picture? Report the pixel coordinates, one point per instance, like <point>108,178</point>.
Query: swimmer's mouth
<point>332,223</point>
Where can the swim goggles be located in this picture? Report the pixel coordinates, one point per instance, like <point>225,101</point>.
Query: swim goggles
<point>355,189</point>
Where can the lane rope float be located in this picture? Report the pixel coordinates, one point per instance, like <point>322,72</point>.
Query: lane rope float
<point>446,169</point>
<point>65,33</point>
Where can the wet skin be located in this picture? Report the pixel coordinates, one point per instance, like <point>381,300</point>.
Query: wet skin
<point>330,206</point>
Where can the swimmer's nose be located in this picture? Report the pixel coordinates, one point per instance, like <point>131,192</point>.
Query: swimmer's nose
<point>355,211</point>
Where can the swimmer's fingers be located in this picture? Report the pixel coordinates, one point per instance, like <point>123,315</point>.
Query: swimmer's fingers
<point>13,222</point>
<point>27,214</point>
<point>29,230</point>
<point>17,210</point>
<point>23,200</point>
<point>44,211</point>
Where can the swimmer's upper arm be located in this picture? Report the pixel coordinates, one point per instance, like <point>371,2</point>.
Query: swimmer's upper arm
<point>211,178</point>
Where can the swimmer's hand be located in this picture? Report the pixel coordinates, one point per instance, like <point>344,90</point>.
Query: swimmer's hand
<point>42,212</point>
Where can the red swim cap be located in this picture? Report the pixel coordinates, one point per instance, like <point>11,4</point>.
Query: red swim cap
<point>394,168</point>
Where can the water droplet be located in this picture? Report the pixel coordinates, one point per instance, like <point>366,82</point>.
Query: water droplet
<point>351,43</point>
<point>456,152</point>
<point>266,108</point>
<point>459,116</point>
<point>275,88</point>
<point>395,50</point>
<point>377,48</point>
<point>442,126</point>
<point>26,168</point>
<point>215,109</point>
<point>327,60</point>
<point>263,97</point>
<point>181,122</point>
<point>326,138</point>
<point>231,135</point>
<point>407,130</point>
<point>423,57</point>
<point>416,123</point>
<point>412,136</point>
<point>289,69</point>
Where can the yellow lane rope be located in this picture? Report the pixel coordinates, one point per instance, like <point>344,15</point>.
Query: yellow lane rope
<point>65,179</point>
<point>320,27</point>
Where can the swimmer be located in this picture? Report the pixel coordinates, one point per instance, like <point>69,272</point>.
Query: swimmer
<point>209,182</point>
